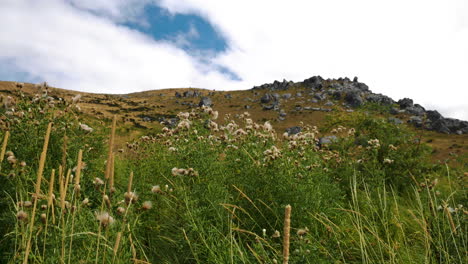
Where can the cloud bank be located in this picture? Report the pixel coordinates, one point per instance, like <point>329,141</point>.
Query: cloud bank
<point>400,48</point>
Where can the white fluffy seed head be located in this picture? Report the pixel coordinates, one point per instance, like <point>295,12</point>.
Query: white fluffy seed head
<point>104,219</point>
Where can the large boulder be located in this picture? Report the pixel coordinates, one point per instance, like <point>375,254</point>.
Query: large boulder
<point>314,83</point>
<point>380,99</point>
<point>416,110</point>
<point>433,115</point>
<point>405,103</point>
<point>353,98</point>
<point>205,101</point>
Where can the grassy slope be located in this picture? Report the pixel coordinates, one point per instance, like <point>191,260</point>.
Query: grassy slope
<point>131,107</point>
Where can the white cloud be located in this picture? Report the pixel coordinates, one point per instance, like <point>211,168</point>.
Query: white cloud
<point>401,48</point>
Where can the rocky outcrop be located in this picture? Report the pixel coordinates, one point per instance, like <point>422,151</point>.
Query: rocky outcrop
<point>355,94</point>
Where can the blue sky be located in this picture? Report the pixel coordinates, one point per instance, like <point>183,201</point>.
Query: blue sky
<point>400,48</point>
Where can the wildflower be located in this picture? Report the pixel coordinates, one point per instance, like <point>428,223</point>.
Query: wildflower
<point>23,164</point>
<point>156,189</point>
<point>264,232</point>
<point>104,218</point>
<point>392,147</point>
<point>86,128</point>
<point>130,197</point>
<point>12,160</point>
<point>43,218</point>
<point>302,231</point>
<point>147,205</point>
<point>172,149</point>
<point>276,234</point>
<point>22,216</point>
<point>43,207</point>
<point>98,181</point>
<point>183,115</point>
<point>85,202</point>
<point>9,153</point>
<point>120,210</point>
<point>267,126</point>
<point>27,204</point>
<point>76,98</point>
<point>214,115</point>
<point>184,124</point>
<point>388,161</point>
<point>106,199</point>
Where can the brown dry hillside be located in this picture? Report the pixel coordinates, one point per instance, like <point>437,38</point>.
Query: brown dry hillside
<point>142,112</point>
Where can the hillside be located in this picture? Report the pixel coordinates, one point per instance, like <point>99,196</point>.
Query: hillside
<point>319,171</point>
<point>284,104</point>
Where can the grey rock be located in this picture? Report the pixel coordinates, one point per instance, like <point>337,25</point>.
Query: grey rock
<point>395,120</point>
<point>354,99</point>
<point>416,121</point>
<point>433,115</point>
<point>298,94</point>
<point>228,96</point>
<point>405,103</point>
<point>205,101</point>
<point>178,95</point>
<point>247,106</point>
<point>329,103</point>
<point>314,83</point>
<point>416,110</point>
<point>327,140</point>
<point>320,96</point>
<point>287,96</point>
<point>266,98</point>
<point>293,130</point>
<point>380,99</point>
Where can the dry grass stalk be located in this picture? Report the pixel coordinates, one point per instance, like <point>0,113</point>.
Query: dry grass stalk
<point>117,243</point>
<point>452,224</point>
<point>4,145</point>
<point>60,175</point>
<point>64,152</point>
<point>286,233</point>
<point>63,194</point>
<point>51,194</point>
<point>111,146</point>
<point>111,180</point>
<point>130,180</point>
<point>78,170</point>
<point>37,191</point>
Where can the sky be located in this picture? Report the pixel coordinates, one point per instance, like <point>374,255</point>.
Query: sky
<point>400,48</point>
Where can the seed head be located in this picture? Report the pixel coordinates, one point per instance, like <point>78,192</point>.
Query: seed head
<point>43,218</point>
<point>22,216</point>
<point>147,205</point>
<point>130,197</point>
<point>27,204</point>
<point>104,219</point>
<point>156,189</point>
<point>85,202</point>
<point>276,234</point>
<point>120,210</point>
<point>302,231</point>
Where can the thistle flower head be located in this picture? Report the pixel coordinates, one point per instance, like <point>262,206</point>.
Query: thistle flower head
<point>156,189</point>
<point>147,205</point>
<point>130,197</point>
<point>104,218</point>
<point>22,216</point>
<point>120,210</point>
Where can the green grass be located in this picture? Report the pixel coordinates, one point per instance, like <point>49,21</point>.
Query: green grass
<point>371,197</point>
